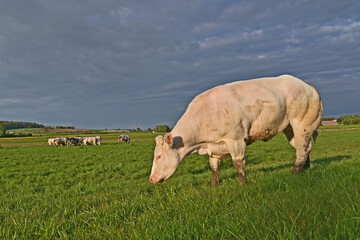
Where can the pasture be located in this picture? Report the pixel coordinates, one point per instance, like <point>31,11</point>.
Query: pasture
<point>103,192</point>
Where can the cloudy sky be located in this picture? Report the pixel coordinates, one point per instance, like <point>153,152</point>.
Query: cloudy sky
<point>127,64</point>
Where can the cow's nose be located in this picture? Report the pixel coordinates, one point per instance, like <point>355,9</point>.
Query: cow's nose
<point>152,179</point>
<point>155,179</point>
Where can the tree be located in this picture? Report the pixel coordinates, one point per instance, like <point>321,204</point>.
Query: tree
<point>349,119</point>
<point>346,121</point>
<point>328,118</point>
<point>16,125</point>
<point>162,128</point>
<point>2,130</point>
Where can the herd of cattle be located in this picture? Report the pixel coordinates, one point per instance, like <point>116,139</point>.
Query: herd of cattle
<point>81,141</point>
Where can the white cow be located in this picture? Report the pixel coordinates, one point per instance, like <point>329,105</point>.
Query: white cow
<point>89,141</point>
<point>223,120</point>
<point>61,141</point>
<point>98,140</point>
<point>52,141</point>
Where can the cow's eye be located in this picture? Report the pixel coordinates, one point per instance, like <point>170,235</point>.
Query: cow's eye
<point>158,157</point>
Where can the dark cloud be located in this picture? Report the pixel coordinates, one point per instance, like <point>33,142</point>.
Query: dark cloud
<point>111,64</point>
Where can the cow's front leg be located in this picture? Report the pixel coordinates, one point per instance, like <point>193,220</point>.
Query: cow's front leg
<point>239,164</point>
<point>215,167</point>
<point>238,159</point>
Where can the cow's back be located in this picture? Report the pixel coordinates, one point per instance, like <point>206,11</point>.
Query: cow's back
<point>259,107</point>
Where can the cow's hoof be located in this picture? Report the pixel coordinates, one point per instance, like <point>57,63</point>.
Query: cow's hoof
<point>243,179</point>
<point>296,170</point>
<point>215,183</point>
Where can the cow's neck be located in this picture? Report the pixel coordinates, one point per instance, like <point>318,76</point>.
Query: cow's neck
<point>188,137</point>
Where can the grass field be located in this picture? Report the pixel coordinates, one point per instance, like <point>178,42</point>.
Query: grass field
<point>103,192</point>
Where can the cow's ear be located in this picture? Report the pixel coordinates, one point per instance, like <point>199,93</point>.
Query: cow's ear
<point>159,140</point>
<point>168,139</point>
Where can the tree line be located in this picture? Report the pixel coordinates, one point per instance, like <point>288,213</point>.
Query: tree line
<point>4,134</point>
<point>352,119</point>
<point>158,128</point>
<point>16,125</point>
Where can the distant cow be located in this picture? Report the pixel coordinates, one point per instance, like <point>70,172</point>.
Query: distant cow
<point>98,140</point>
<point>124,138</point>
<point>52,141</point>
<point>63,141</point>
<point>223,120</point>
<point>89,141</point>
<point>75,141</point>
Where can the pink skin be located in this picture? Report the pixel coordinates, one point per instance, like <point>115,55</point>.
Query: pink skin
<point>166,159</point>
<point>154,179</point>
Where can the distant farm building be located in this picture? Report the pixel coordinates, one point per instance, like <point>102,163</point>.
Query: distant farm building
<point>329,123</point>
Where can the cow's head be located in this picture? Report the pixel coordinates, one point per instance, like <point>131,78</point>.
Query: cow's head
<point>166,159</point>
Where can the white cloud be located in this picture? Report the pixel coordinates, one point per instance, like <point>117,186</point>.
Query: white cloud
<point>347,27</point>
<point>8,101</point>
<point>238,9</point>
<point>123,14</point>
<point>292,40</point>
<point>206,27</point>
<point>176,85</point>
<point>262,56</point>
<point>222,41</point>
<point>24,100</point>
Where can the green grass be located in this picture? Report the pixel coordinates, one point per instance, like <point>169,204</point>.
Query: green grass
<point>103,192</point>
<point>24,130</point>
<point>340,126</point>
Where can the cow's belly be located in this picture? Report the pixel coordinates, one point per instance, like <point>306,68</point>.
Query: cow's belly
<point>268,124</point>
<point>216,150</point>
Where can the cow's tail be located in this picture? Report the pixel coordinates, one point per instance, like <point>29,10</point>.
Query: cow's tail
<point>316,132</point>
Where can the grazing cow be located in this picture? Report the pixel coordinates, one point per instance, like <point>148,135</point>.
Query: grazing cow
<point>52,141</point>
<point>223,120</point>
<point>89,141</point>
<point>61,141</point>
<point>98,140</point>
<point>76,141</point>
<point>124,138</point>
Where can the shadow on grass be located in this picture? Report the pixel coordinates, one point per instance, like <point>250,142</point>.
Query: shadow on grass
<point>275,167</point>
<point>328,160</point>
<point>317,162</point>
<point>200,170</point>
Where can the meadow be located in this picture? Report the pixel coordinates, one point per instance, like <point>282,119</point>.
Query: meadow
<point>103,192</point>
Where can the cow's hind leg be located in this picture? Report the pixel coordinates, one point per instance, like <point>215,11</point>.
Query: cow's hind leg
<point>302,157</point>
<point>301,141</point>
<point>215,167</point>
<point>303,148</point>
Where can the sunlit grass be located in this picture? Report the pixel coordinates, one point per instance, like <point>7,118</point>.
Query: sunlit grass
<point>103,192</point>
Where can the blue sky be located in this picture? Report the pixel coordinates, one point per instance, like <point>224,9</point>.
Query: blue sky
<point>127,64</point>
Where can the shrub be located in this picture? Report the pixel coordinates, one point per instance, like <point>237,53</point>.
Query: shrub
<point>162,128</point>
<point>2,130</point>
